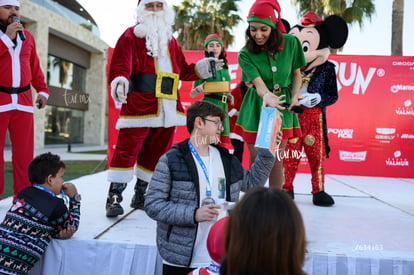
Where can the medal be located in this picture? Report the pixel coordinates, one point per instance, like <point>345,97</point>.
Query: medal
<point>207,201</point>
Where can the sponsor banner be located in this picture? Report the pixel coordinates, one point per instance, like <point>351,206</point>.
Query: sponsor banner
<point>370,127</point>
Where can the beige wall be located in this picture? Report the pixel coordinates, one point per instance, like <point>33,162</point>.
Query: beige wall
<point>40,22</point>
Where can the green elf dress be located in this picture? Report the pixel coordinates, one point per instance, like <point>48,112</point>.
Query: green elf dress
<point>277,75</point>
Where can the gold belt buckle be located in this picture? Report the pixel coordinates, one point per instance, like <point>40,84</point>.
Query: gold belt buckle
<point>277,91</point>
<point>224,99</point>
<point>158,91</point>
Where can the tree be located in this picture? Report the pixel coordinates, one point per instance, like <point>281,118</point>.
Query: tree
<point>199,18</point>
<point>350,11</point>
<point>397,27</point>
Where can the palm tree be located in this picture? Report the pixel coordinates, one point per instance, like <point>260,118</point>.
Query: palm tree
<point>350,11</point>
<point>199,18</point>
<point>397,27</point>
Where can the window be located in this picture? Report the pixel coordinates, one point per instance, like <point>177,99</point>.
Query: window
<point>64,120</point>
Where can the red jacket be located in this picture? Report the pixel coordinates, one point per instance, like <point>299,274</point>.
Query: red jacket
<point>130,57</point>
<point>20,67</point>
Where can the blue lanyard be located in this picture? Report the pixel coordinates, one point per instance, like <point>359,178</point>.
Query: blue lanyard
<point>64,197</point>
<point>203,166</point>
<point>44,189</point>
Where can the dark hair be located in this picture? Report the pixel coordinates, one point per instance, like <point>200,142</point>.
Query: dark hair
<point>273,44</point>
<point>42,166</point>
<point>202,109</point>
<point>221,56</point>
<point>265,235</point>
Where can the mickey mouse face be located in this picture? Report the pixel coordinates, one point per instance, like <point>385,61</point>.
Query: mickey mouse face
<point>309,37</point>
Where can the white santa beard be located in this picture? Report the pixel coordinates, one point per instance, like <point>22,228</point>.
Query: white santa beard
<point>156,29</point>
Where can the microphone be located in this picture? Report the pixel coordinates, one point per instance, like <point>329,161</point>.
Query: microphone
<point>21,33</point>
<point>213,65</point>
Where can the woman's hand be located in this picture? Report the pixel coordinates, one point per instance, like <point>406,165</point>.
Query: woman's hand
<point>274,101</point>
<point>293,102</point>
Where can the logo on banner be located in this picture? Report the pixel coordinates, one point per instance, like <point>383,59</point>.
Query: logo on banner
<point>385,135</point>
<point>407,136</point>
<point>397,160</point>
<point>352,156</point>
<point>407,110</point>
<point>401,87</point>
<point>342,133</point>
<point>351,74</point>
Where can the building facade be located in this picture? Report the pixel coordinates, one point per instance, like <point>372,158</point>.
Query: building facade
<point>73,59</point>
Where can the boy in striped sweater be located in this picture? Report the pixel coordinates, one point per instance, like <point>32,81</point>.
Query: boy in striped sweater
<point>49,208</point>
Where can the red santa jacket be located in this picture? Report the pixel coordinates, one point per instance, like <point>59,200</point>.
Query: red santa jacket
<point>19,68</point>
<point>129,58</point>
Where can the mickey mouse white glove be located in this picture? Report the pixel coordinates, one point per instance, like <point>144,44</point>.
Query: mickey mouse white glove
<point>203,66</point>
<point>119,89</point>
<point>310,100</point>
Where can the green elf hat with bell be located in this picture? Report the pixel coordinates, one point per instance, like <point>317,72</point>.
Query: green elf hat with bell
<point>215,37</point>
<point>266,12</point>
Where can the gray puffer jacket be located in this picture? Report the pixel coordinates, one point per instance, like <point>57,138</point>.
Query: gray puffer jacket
<point>173,196</point>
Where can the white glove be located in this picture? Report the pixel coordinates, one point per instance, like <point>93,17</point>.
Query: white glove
<point>119,89</point>
<point>310,100</point>
<point>203,66</point>
<point>196,90</point>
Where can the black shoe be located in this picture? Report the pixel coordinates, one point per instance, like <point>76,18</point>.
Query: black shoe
<point>323,199</point>
<point>291,194</point>
<point>138,199</point>
<point>113,208</point>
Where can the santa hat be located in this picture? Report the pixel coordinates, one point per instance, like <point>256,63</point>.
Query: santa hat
<point>266,12</point>
<point>311,19</point>
<point>216,239</point>
<point>10,3</point>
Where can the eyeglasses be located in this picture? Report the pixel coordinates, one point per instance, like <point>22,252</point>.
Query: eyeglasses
<point>219,124</point>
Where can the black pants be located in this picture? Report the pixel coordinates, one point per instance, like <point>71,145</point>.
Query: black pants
<point>175,270</point>
<point>238,146</point>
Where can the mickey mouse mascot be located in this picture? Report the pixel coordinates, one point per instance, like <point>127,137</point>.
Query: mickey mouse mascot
<point>319,89</point>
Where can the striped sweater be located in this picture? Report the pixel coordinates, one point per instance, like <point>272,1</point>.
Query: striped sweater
<point>34,218</point>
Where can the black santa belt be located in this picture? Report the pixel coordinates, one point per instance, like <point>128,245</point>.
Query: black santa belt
<point>164,85</point>
<point>222,98</point>
<point>14,90</point>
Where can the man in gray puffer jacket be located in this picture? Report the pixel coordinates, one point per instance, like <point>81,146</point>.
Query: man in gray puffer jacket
<point>192,183</point>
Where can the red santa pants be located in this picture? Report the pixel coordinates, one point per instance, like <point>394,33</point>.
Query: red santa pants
<point>312,141</point>
<point>141,146</point>
<point>20,125</point>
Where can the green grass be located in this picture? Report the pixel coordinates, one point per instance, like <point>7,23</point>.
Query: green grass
<point>74,169</point>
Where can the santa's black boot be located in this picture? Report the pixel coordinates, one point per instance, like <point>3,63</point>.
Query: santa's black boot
<point>113,207</point>
<point>138,199</point>
<point>323,199</point>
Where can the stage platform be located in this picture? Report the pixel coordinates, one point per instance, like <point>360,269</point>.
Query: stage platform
<point>368,231</point>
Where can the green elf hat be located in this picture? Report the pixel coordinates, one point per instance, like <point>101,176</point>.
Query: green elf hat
<point>215,37</point>
<point>266,12</point>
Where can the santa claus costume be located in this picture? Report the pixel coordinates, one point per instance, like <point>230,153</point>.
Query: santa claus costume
<point>19,68</point>
<point>146,66</point>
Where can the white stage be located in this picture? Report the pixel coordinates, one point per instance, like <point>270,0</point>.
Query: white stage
<point>370,230</point>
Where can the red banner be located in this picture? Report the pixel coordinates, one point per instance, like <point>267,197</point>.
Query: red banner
<point>370,127</point>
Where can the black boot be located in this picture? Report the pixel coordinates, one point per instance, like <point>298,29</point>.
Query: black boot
<point>322,199</point>
<point>138,199</point>
<point>113,207</point>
